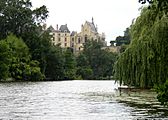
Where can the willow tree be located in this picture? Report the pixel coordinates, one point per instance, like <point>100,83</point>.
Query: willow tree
<point>143,64</point>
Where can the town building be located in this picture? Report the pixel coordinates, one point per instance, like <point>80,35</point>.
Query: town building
<point>74,40</point>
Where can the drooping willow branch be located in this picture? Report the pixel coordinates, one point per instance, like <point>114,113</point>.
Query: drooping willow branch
<point>144,1</point>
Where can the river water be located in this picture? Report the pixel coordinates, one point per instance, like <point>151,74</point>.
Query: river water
<point>76,100</point>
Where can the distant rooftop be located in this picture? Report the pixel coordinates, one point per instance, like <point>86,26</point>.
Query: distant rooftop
<point>64,28</point>
<point>73,33</point>
<point>92,25</point>
<point>51,28</point>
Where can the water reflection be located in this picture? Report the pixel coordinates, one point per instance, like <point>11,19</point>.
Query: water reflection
<point>144,104</point>
<point>76,100</point>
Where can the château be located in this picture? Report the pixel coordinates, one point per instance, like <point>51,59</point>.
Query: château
<point>67,39</point>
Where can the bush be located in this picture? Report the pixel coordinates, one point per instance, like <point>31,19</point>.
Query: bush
<point>162,91</point>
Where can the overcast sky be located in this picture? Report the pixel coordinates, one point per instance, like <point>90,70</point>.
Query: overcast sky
<point>111,16</point>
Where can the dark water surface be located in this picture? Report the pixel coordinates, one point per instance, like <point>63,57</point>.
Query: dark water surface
<point>76,100</point>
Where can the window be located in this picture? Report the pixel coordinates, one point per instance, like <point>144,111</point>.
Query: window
<point>79,40</point>
<point>85,38</point>
<point>72,45</point>
<point>53,38</point>
<point>72,39</point>
<point>65,39</point>
<point>59,34</point>
<point>65,34</point>
<point>59,39</point>
<point>79,48</point>
<point>65,44</point>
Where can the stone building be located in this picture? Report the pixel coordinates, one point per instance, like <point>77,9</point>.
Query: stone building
<point>114,49</point>
<point>76,40</point>
<point>61,36</point>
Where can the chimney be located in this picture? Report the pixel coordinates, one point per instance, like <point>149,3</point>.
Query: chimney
<point>82,27</point>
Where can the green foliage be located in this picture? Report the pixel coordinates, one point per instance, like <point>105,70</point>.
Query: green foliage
<point>32,47</point>
<point>123,48</point>
<point>55,64</point>
<point>139,65</point>
<point>85,72</point>
<point>69,65</point>
<point>18,17</point>
<point>34,72</point>
<point>94,62</point>
<point>20,55</point>
<point>160,5</point>
<point>144,63</point>
<point>162,91</point>
<point>41,48</point>
<point>144,1</point>
<point>4,60</point>
<point>122,40</point>
<point>31,71</point>
<point>16,60</point>
<point>109,61</point>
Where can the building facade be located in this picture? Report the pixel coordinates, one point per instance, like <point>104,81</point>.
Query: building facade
<point>76,40</point>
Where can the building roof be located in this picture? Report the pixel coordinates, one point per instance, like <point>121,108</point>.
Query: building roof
<point>64,28</point>
<point>51,29</point>
<point>73,33</point>
<point>92,26</point>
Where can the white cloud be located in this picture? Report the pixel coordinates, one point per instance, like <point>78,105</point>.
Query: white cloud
<point>111,16</point>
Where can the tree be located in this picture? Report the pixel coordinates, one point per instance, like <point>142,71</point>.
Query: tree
<point>83,67</point>
<point>112,42</point>
<point>123,40</point>
<point>42,48</point>
<point>109,61</point>
<point>20,55</point>
<point>160,5</point>
<point>20,66</point>
<point>69,65</point>
<point>94,62</point>
<point>143,64</point>
<point>17,17</point>
<point>162,91</point>
<point>55,63</point>
<point>144,1</point>
<point>4,60</point>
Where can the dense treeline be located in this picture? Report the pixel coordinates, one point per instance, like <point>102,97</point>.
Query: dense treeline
<point>95,62</point>
<point>20,29</point>
<point>26,51</point>
<point>144,63</point>
<point>16,60</point>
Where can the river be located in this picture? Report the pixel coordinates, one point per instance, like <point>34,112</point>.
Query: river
<point>76,100</point>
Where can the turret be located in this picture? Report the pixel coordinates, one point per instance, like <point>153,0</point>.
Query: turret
<point>57,27</point>
<point>82,27</point>
<point>92,20</point>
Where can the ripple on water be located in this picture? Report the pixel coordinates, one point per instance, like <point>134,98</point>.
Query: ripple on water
<point>76,100</point>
